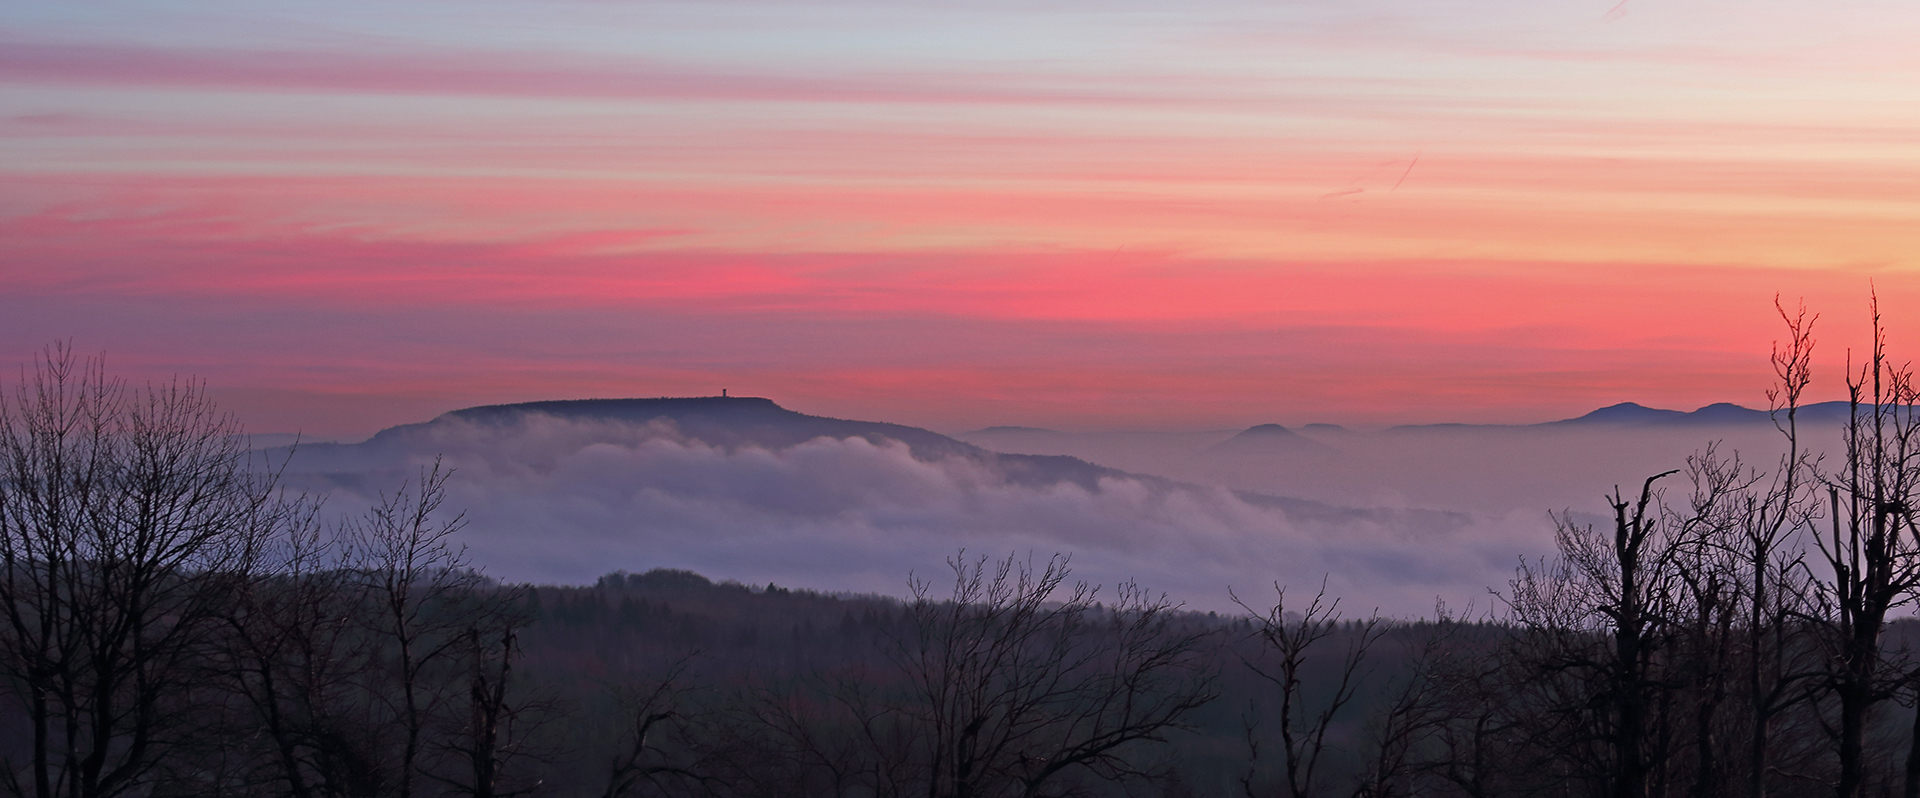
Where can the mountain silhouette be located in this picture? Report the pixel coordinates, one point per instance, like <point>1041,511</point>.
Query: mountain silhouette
<point>727,422</point>
<point>1625,413</point>
<point>1266,439</point>
<point>1716,414</point>
<point>1633,414</point>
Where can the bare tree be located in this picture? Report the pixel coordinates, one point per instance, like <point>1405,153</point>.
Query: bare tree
<point>646,755</point>
<point>1872,550</point>
<point>295,655</point>
<point>125,518</point>
<point>1479,723</point>
<point>1775,566</point>
<point>423,599</point>
<point>1015,686</point>
<point>1705,558</point>
<point>500,719</point>
<point>1290,641</point>
<point>1426,697</point>
<point>169,618</point>
<point>1604,587</point>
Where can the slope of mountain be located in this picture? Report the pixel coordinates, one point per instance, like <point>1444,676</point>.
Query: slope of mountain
<point>1626,413</point>
<point>1266,439</point>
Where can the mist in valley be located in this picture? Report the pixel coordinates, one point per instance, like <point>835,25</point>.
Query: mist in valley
<point>1393,519</point>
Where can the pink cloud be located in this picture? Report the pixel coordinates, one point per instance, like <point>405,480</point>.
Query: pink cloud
<point>963,337</point>
<point>443,71</point>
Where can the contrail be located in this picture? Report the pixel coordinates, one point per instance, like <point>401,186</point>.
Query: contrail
<point>1403,175</point>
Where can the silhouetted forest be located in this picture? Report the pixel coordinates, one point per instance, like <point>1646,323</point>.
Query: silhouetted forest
<point>177,624</point>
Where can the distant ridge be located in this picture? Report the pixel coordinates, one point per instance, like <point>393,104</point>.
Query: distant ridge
<point>1266,439</point>
<point>1266,431</point>
<point>1008,430</point>
<point>1728,413</point>
<point>1633,414</point>
<point>1716,414</point>
<point>1626,413</point>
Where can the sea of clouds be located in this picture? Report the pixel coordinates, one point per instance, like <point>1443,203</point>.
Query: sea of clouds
<point>563,501</point>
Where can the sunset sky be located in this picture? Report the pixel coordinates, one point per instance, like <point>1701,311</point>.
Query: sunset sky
<point>1081,215</point>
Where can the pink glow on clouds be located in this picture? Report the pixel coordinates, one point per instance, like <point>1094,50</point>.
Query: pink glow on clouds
<point>961,216</point>
<point>953,340</point>
<point>484,74</point>
<point>217,251</point>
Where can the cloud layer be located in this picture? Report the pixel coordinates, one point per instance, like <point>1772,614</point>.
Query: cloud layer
<point>560,500</point>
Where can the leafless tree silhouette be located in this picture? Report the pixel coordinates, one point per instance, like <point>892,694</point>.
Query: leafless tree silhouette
<point>125,517</point>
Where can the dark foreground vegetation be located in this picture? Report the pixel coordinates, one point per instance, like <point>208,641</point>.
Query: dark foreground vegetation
<point>172,623</point>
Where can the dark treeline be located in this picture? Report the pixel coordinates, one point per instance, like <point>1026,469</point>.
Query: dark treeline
<point>176,624</point>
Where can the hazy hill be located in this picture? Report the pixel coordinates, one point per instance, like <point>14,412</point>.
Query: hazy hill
<point>1267,439</point>
<point>1718,414</point>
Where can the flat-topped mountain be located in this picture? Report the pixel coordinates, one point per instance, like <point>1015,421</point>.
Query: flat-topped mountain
<point>726,422</point>
<point>715,420</point>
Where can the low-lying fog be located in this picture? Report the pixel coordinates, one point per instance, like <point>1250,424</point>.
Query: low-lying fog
<point>1391,519</point>
<point>1476,469</point>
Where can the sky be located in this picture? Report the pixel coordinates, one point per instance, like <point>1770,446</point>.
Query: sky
<point>1080,215</point>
